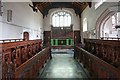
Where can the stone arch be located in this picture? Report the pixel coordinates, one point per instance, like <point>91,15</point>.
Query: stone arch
<point>102,20</point>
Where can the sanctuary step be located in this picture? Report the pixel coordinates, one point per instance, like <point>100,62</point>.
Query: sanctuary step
<point>62,51</point>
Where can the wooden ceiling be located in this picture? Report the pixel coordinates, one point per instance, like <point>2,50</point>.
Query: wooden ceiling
<point>44,7</point>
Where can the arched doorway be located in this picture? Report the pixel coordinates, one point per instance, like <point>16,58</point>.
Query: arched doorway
<point>26,36</point>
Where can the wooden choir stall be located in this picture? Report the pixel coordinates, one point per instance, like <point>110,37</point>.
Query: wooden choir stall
<point>22,59</point>
<point>100,57</point>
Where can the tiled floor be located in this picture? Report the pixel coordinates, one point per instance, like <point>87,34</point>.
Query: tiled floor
<point>63,66</point>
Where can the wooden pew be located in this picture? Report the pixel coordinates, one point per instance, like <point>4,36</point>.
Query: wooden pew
<point>107,50</point>
<point>31,67</point>
<point>96,66</point>
<point>18,56</point>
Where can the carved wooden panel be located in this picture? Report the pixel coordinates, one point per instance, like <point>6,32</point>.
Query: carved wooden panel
<point>97,67</point>
<point>62,33</point>
<point>107,50</point>
<point>47,37</point>
<point>7,64</point>
<point>16,57</point>
<point>77,38</point>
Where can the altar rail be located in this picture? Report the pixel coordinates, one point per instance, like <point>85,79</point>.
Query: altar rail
<point>97,68</point>
<point>22,59</point>
<point>107,50</point>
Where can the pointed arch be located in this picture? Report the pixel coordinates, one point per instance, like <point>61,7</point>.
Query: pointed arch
<point>101,22</point>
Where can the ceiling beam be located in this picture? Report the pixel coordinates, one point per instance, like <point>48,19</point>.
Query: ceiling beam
<point>44,7</point>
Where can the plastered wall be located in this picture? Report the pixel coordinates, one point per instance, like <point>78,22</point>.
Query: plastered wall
<point>75,19</point>
<point>92,16</point>
<point>23,19</point>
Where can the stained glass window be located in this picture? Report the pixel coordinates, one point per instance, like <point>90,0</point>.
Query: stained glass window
<point>61,19</point>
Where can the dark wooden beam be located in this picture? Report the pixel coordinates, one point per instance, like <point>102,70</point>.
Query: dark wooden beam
<point>90,4</point>
<point>44,7</point>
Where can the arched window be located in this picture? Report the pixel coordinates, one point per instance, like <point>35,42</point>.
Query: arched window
<point>115,20</point>
<point>61,19</point>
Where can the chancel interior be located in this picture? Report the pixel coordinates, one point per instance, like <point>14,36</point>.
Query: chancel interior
<point>51,39</point>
